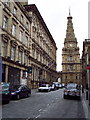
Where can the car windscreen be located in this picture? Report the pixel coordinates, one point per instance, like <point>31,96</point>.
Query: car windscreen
<point>15,87</point>
<point>71,86</point>
<point>4,88</point>
<point>43,85</point>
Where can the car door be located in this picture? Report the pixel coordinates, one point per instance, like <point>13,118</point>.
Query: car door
<point>23,91</point>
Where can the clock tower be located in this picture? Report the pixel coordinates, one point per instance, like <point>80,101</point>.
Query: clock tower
<point>71,65</point>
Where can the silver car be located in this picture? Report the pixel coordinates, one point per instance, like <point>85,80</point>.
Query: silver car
<point>44,87</point>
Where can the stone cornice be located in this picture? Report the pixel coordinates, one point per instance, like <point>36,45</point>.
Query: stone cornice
<point>70,63</point>
<point>13,62</point>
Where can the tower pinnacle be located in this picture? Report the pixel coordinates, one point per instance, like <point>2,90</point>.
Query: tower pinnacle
<point>69,17</point>
<point>69,12</point>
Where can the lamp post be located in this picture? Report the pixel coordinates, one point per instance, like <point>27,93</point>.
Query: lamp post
<point>29,76</point>
<point>39,77</point>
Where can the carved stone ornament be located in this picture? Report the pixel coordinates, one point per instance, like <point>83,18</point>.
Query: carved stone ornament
<point>5,37</point>
<point>21,48</point>
<point>27,52</point>
<point>14,43</point>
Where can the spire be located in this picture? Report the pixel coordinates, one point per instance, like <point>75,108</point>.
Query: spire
<point>69,17</point>
<point>69,12</point>
<point>70,30</point>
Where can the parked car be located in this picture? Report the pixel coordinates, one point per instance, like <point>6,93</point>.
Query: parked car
<point>72,90</point>
<point>20,91</point>
<point>63,85</point>
<point>57,85</point>
<point>60,85</point>
<point>4,92</point>
<point>53,87</point>
<point>44,87</point>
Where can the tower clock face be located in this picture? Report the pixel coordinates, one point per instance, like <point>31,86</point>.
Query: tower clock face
<point>71,45</point>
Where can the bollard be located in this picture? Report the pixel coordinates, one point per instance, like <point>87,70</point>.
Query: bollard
<point>86,95</point>
<point>89,99</point>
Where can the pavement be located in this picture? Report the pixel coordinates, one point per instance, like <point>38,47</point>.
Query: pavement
<point>85,106</point>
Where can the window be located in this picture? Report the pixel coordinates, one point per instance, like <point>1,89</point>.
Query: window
<point>20,57</point>
<point>24,75</point>
<point>76,77</point>
<point>26,41</point>
<point>15,11</point>
<point>40,58</point>
<point>71,68</point>
<point>7,2</point>
<point>12,53</point>
<point>4,49</point>
<point>70,58</point>
<point>14,30</point>
<point>33,52</point>
<point>37,55</point>
<point>26,59</point>
<point>5,22</point>
<point>21,18</point>
<point>20,36</point>
<point>71,45</point>
<point>27,25</point>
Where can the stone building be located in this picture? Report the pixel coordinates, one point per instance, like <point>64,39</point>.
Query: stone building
<point>28,49</point>
<point>71,65</point>
<point>86,70</point>
<point>43,57</point>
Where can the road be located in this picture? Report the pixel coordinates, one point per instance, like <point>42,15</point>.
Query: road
<point>44,105</point>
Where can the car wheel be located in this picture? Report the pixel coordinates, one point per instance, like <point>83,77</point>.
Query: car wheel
<point>18,97</point>
<point>29,95</point>
<point>64,96</point>
<point>6,102</point>
<point>79,98</point>
<point>48,90</point>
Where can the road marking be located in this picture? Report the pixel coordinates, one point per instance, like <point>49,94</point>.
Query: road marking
<point>44,110</point>
<point>13,101</point>
<point>47,104</point>
<point>37,116</point>
<point>40,110</point>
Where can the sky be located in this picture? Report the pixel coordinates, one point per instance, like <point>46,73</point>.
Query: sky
<point>55,13</point>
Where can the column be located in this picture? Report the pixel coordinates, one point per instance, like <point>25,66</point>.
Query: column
<point>16,54</point>
<point>21,72</point>
<point>6,74</point>
<point>8,48</point>
<point>22,57</point>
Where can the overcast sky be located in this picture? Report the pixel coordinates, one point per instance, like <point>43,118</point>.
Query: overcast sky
<point>55,12</point>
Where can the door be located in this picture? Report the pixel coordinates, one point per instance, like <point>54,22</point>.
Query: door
<point>13,76</point>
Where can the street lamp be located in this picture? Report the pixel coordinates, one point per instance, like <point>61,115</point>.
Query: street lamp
<point>39,77</point>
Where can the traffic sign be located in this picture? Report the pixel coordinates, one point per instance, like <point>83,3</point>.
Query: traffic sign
<point>88,66</point>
